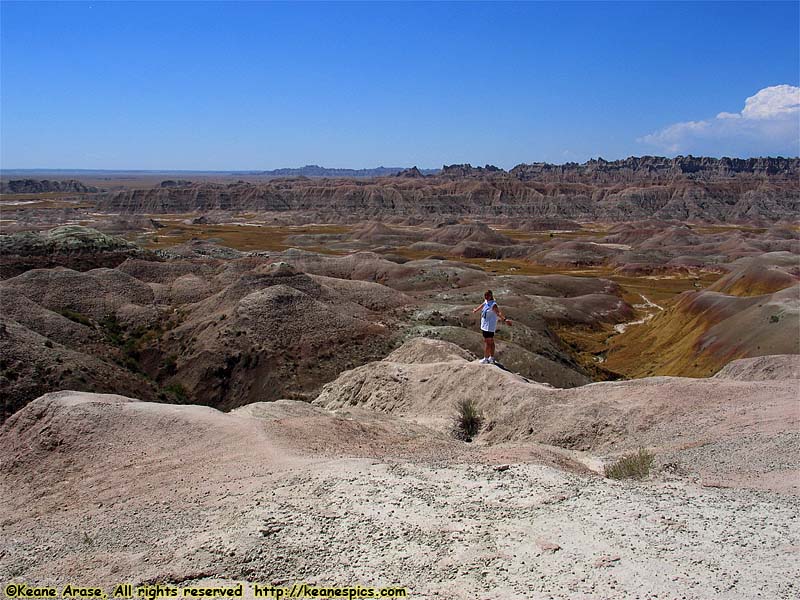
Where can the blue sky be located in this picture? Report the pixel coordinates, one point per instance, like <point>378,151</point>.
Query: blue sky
<point>265,85</point>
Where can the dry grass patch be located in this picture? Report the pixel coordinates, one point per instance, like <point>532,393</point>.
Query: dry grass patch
<point>237,236</point>
<point>631,466</point>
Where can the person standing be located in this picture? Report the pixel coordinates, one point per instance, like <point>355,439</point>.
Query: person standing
<point>490,313</point>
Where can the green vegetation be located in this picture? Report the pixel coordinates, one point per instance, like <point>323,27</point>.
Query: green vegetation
<point>175,392</point>
<point>256,237</point>
<point>631,466</point>
<point>8,371</point>
<point>468,419</point>
<point>113,330</point>
<point>171,364</point>
<point>76,316</point>
<point>131,342</point>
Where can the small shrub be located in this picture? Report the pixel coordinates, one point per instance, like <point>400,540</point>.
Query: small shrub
<point>631,466</point>
<point>113,330</point>
<point>177,393</point>
<point>76,316</point>
<point>774,319</point>
<point>468,419</point>
<point>132,364</point>
<point>171,364</point>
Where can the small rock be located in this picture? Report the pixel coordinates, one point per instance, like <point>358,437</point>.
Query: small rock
<point>606,560</point>
<point>547,546</point>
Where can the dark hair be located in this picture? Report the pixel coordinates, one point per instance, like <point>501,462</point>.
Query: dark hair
<point>488,295</point>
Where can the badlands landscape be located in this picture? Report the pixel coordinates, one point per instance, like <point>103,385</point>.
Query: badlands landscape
<point>211,378</point>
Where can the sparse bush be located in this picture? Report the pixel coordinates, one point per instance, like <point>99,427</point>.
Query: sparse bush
<point>468,419</point>
<point>76,316</point>
<point>113,329</point>
<point>131,364</point>
<point>631,466</point>
<point>177,393</point>
<point>774,319</point>
<point>171,364</point>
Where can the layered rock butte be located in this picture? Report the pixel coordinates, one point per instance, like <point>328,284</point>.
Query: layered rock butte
<point>684,188</point>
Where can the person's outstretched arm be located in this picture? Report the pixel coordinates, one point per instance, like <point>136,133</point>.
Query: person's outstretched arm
<point>477,308</point>
<point>500,314</point>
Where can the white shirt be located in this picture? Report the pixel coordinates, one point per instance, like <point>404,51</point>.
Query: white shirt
<point>488,316</point>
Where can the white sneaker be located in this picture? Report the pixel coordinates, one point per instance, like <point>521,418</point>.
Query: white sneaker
<point>484,361</point>
<point>490,360</point>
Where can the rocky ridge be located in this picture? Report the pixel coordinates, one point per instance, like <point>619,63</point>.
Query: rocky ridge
<point>40,186</point>
<point>68,245</point>
<point>659,168</point>
<point>684,188</point>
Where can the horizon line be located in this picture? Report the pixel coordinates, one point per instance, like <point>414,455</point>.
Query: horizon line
<point>256,171</point>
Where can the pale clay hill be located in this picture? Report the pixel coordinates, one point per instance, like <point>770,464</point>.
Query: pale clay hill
<point>279,491</point>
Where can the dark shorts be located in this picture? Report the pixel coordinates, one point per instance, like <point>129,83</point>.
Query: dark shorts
<point>487,334</point>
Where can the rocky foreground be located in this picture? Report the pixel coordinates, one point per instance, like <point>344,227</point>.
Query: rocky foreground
<point>358,489</point>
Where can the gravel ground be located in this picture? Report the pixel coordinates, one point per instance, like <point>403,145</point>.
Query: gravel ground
<point>98,490</point>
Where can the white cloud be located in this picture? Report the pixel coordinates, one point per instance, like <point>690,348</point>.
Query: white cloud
<point>773,102</point>
<point>769,124</point>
